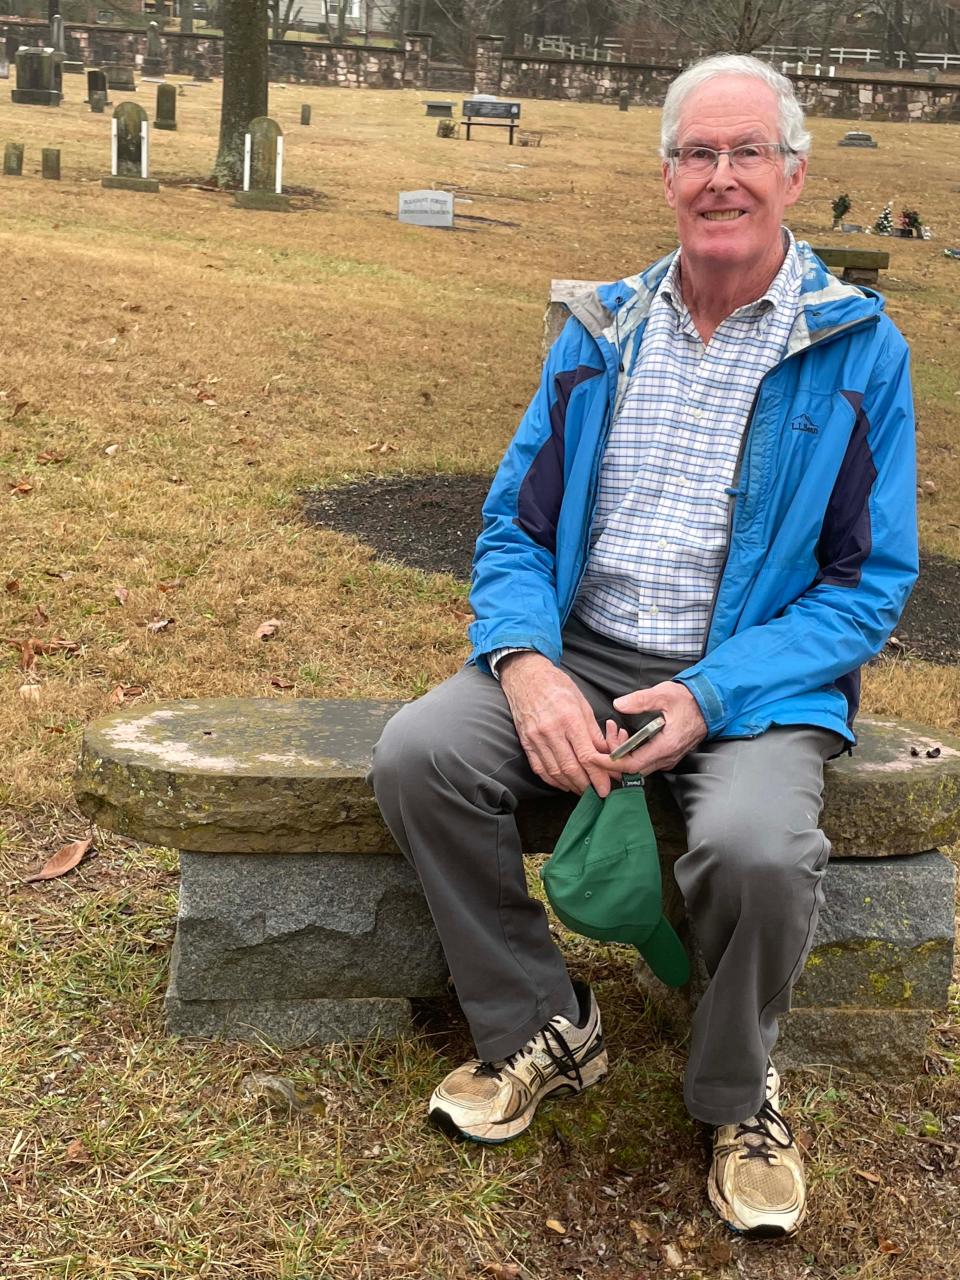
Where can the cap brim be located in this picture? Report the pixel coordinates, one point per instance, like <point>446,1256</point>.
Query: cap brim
<point>664,953</point>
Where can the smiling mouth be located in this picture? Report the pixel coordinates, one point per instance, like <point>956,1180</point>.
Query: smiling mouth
<point>724,215</point>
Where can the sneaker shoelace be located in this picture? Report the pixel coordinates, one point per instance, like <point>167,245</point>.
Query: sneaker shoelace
<point>559,1053</point>
<point>763,1125</point>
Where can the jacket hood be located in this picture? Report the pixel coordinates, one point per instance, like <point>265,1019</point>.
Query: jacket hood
<point>615,311</point>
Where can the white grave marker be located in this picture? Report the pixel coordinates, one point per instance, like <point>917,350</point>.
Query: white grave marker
<point>426,208</point>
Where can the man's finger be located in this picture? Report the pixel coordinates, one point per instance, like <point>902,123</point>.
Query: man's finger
<point>637,701</point>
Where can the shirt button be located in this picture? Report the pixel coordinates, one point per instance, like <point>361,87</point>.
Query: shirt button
<point>682,481</point>
<point>698,413</point>
<point>654,611</point>
<point>662,544</point>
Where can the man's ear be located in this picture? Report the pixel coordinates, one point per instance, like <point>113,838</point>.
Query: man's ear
<point>795,182</point>
<point>666,169</point>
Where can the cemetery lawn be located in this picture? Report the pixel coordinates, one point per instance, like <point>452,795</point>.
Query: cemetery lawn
<point>176,373</point>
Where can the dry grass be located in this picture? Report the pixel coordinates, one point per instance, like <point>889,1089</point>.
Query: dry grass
<point>196,366</point>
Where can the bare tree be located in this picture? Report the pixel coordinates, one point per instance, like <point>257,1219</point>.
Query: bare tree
<point>283,17</point>
<point>245,66</point>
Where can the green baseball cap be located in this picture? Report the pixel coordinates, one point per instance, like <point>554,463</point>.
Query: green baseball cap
<point>603,878</point>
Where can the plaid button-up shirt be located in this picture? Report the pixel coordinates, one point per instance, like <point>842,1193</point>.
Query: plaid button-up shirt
<point>660,533</point>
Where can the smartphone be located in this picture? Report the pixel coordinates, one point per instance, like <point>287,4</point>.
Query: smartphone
<point>643,734</point>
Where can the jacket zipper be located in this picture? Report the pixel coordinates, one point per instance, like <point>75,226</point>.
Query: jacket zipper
<point>733,490</point>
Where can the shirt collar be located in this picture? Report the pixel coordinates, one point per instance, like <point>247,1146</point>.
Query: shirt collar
<point>781,293</point>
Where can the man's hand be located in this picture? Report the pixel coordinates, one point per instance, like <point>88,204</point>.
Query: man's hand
<point>556,725</point>
<point>685,726</point>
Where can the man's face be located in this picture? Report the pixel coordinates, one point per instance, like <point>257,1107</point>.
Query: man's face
<point>725,218</point>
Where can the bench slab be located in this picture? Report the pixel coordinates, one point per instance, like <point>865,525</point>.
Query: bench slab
<point>263,775</point>
<point>299,922</point>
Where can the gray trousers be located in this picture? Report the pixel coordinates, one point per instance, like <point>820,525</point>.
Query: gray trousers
<point>448,774</point>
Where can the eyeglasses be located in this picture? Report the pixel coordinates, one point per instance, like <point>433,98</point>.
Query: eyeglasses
<point>750,157</point>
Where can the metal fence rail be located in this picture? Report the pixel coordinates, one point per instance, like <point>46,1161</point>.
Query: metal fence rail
<point>615,51</point>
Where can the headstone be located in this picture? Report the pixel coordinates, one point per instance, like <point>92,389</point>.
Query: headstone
<point>263,167</point>
<point>200,72</point>
<point>98,102</point>
<point>442,110</point>
<point>50,163</point>
<point>4,68</point>
<point>305,113</point>
<point>13,159</point>
<point>426,208</point>
<point>73,68</point>
<point>130,167</point>
<point>155,60</point>
<point>119,76</point>
<point>856,138</point>
<point>166,117</point>
<point>624,100</point>
<point>186,18</point>
<point>96,82</point>
<point>850,228</point>
<point>39,77</point>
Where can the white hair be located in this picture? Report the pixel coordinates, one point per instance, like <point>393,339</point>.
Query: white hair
<point>792,132</point>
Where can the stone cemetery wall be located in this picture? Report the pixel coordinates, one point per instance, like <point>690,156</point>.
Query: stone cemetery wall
<point>346,66</point>
<point>860,99</point>
<point>363,66</point>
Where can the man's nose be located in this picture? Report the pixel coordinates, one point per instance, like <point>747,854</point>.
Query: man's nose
<point>724,175</point>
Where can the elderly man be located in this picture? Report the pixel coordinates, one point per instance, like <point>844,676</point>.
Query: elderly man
<point>707,511</point>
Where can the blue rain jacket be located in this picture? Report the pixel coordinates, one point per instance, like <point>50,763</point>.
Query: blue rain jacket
<point>822,550</point>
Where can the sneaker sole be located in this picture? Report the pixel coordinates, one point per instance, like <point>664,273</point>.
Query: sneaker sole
<point>592,1072</point>
<point>763,1231</point>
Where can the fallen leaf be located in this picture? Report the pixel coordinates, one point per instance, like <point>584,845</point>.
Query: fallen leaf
<point>268,628</point>
<point>278,683</point>
<point>12,586</point>
<point>553,1224</point>
<point>173,585</point>
<point>642,1233</point>
<point>888,1246</point>
<point>57,573</point>
<point>672,1256</point>
<point>282,1093</point>
<point>717,1253</point>
<point>502,1270</point>
<point>21,487</point>
<point>868,1175</point>
<point>51,455</point>
<point>54,728</point>
<point>161,624</point>
<point>29,692</point>
<point>21,404</point>
<point>76,1152</point>
<point>125,693</point>
<point>65,859</point>
<point>111,449</point>
<point>131,306</point>
<point>121,594</point>
<point>40,615</point>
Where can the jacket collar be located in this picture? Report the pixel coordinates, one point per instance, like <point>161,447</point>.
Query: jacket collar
<point>617,312</point>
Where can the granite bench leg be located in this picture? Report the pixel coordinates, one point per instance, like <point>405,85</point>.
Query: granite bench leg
<point>877,976</point>
<point>299,948</point>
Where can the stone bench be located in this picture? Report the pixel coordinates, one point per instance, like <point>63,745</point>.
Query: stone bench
<point>300,922</point>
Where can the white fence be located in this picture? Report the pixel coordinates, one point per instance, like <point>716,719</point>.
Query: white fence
<point>614,51</point>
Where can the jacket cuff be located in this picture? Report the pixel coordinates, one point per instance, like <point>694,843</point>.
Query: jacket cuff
<point>707,699</point>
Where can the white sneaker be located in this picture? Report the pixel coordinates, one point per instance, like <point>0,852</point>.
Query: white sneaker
<point>495,1101</point>
<point>756,1181</point>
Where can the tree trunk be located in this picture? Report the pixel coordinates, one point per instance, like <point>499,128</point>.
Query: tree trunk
<point>244,83</point>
